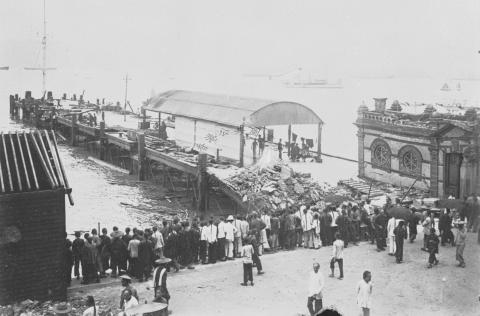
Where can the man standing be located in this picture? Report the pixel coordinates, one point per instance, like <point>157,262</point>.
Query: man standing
<point>307,227</point>
<point>221,240</point>
<point>342,224</point>
<point>105,252</point>
<point>230,231</point>
<point>261,146</point>
<point>77,248</point>
<point>427,225</point>
<point>379,222</point>
<point>337,256</point>
<point>280,149</point>
<point>118,249</point>
<point>432,246</point>
<point>133,254</point>
<point>391,236</point>
<point>412,225</point>
<point>158,250</point>
<point>211,235</point>
<point>400,232</point>
<point>237,241</point>
<point>275,228</point>
<point>160,290</point>
<point>203,242</point>
<point>315,287</point>
<point>290,230</point>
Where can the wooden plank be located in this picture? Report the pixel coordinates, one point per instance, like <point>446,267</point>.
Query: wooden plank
<point>67,186</point>
<point>55,160</point>
<point>47,159</point>
<point>42,161</point>
<point>31,161</point>
<point>19,176</point>
<point>27,178</point>
<point>170,161</point>
<point>7,164</point>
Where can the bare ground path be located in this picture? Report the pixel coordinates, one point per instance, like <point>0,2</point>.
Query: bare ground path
<point>399,289</point>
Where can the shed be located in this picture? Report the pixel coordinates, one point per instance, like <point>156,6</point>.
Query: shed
<point>32,218</point>
<point>230,114</point>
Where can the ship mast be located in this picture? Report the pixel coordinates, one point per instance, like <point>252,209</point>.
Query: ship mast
<point>44,67</point>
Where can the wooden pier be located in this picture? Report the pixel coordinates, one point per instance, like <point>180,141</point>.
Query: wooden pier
<point>136,151</point>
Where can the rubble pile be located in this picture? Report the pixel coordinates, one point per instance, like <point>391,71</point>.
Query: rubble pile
<point>34,308</point>
<point>274,187</point>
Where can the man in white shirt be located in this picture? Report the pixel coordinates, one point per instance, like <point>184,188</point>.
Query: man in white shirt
<point>315,287</point>
<point>307,226</point>
<point>392,223</point>
<point>266,219</point>
<point>221,240</point>
<point>337,256</point>
<point>211,236</point>
<point>237,241</point>
<point>159,242</point>
<point>230,231</point>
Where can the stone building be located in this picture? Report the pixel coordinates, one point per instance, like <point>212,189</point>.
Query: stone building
<point>437,152</point>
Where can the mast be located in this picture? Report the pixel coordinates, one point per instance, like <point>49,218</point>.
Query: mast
<point>44,67</point>
<point>125,104</point>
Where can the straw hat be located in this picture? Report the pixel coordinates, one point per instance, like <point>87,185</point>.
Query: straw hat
<point>163,260</point>
<point>62,308</point>
<point>230,218</point>
<point>125,277</point>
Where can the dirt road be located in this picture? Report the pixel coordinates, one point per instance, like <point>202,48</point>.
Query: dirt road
<point>399,289</point>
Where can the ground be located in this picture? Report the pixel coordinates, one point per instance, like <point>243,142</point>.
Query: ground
<point>399,289</point>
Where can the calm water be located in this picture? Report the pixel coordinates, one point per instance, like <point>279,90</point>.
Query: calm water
<point>105,196</point>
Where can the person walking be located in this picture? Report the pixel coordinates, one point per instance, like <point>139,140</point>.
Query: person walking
<point>427,225</point>
<point>247,253</point>
<point>255,257</point>
<point>432,247</point>
<point>315,288</point>
<point>460,240</point>
<point>364,293</point>
<point>400,232</point>
<point>337,256</point>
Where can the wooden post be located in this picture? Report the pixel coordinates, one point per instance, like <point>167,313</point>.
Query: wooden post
<point>202,183</point>
<point>319,143</point>
<point>103,140</point>
<point>289,138</point>
<point>242,144</point>
<point>141,156</point>
<point>12,105</point>
<point>159,123</point>
<point>74,132</point>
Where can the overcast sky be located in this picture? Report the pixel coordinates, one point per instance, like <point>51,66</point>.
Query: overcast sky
<point>405,38</point>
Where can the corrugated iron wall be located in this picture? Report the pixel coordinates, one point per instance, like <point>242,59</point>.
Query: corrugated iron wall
<point>32,239</point>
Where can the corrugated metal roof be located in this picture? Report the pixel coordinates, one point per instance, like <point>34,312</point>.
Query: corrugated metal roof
<point>231,110</point>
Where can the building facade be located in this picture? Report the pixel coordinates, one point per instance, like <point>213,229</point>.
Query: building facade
<point>431,151</point>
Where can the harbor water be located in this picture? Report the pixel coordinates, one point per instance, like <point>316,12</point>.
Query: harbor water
<point>108,197</point>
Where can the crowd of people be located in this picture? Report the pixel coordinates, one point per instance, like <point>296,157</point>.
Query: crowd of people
<point>186,243</point>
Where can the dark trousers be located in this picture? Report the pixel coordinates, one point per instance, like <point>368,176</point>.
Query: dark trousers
<point>212,255</point>
<point>90,272</point>
<point>291,239</point>
<point>247,272</point>
<point>221,248</point>
<point>432,258</point>
<point>203,250</point>
<point>256,259</point>
<point>105,263</point>
<point>314,305</point>
<point>340,266</point>
<point>115,263</point>
<point>77,264</point>
<point>135,271</point>
<point>447,237</point>
<point>399,250</point>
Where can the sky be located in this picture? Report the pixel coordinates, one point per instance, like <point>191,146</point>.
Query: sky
<point>208,39</point>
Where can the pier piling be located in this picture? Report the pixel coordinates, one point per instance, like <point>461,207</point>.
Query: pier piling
<point>74,132</point>
<point>202,183</point>
<point>141,156</point>
<point>103,140</point>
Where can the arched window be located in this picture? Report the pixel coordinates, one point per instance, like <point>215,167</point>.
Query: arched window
<point>381,154</point>
<point>410,160</point>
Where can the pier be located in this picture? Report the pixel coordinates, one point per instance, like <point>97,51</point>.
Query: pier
<point>146,153</point>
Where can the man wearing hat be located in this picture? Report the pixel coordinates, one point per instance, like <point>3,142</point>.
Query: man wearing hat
<point>230,231</point>
<point>160,290</point>
<point>126,283</point>
<point>62,308</point>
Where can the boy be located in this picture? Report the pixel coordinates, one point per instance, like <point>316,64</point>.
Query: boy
<point>432,246</point>
<point>337,256</point>
<point>247,254</point>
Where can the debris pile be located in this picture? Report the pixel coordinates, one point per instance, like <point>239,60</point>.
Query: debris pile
<point>34,308</point>
<point>274,187</point>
